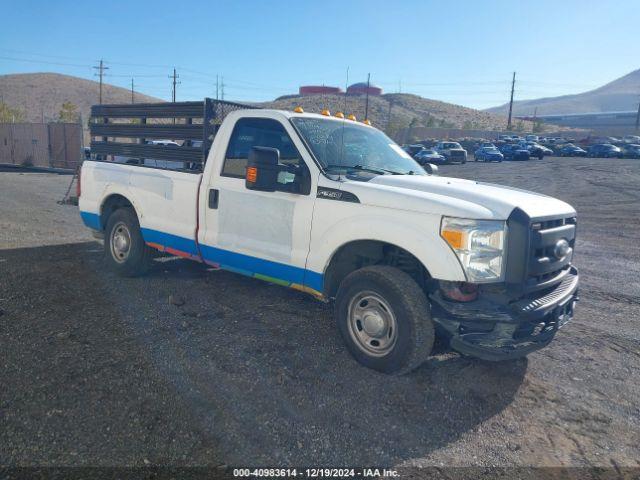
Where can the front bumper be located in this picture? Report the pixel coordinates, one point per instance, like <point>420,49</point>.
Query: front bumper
<point>495,329</point>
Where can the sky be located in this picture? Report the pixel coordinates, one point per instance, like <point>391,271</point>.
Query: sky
<point>463,52</point>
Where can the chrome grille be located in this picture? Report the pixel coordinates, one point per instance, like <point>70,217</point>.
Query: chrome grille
<point>545,269</point>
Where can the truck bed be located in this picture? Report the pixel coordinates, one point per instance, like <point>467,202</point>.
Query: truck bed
<point>167,198</point>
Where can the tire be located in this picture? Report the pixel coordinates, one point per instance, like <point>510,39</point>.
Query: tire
<point>390,297</point>
<point>125,251</point>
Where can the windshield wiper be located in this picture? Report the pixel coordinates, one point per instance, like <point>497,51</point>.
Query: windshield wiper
<point>379,171</point>
<point>364,168</point>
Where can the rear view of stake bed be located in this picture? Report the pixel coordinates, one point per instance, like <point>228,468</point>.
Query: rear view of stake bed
<point>332,207</point>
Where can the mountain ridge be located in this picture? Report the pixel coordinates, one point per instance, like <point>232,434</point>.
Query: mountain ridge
<point>620,94</point>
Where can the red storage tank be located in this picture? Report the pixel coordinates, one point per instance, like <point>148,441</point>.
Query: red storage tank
<point>319,90</point>
<point>360,88</point>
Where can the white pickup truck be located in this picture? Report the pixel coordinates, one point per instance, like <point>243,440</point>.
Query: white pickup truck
<point>333,207</point>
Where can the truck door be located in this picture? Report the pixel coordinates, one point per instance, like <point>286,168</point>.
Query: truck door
<point>261,234</point>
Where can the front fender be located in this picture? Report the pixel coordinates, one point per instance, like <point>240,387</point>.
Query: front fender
<point>416,233</point>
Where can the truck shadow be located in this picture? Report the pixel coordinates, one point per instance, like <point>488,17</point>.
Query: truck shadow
<point>257,372</point>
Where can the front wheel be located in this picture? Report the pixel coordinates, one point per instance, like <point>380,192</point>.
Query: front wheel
<point>384,319</point>
<point>125,251</point>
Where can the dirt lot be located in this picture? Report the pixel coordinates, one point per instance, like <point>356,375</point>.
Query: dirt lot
<point>98,370</point>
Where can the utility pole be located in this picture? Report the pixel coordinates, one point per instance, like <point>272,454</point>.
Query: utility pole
<point>101,68</point>
<point>346,87</point>
<point>217,88</point>
<point>366,104</point>
<point>175,77</point>
<point>513,84</point>
<point>132,97</point>
<point>222,87</point>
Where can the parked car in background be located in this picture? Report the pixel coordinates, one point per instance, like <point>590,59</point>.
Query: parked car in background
<point>631,151</point>
<point>512,151</point>
<point>604,150</point>
<point>452,151</point>
<point>413,149</point>
<point>429,155</point>
<point>633,139</point>
<point>536,150</point>
<point>571,150</point>
<point>488,154</point>
<point>532,138</point>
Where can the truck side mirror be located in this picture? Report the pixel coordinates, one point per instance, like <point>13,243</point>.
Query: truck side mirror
<point>263,166</point>
<point>430,168</point>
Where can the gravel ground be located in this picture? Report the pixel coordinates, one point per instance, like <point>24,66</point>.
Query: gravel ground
<point>191,366</point>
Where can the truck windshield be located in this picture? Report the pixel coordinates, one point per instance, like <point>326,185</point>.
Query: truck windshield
<point>345,145</point>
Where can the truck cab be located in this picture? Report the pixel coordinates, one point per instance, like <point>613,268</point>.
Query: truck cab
<point>334,208</point>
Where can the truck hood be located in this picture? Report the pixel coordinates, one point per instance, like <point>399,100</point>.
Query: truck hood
<point>454,197</point>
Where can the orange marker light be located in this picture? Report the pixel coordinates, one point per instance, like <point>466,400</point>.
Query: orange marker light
<point>453,238</point>
<point>252,174</point>
<point>367,122</point>
<point>298,109</point>
<point>340,115</point>
<point>326,112</point>
<point>352,117</point>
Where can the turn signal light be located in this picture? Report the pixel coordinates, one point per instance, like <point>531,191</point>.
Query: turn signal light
<point>252,174</point>
<point>298,109</point>
<point>367,122</point>
<point>352,117</point>
<point>326,112</point>
<point>340,115</point>
<point>453,238</point>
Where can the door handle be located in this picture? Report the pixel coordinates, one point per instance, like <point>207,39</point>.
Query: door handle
<point>213,198</point>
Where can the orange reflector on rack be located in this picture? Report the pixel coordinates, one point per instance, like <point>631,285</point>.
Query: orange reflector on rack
<point>367,122</point>
<point>326,112</point>
<point>352,117</point>
<point>340,115</point>
<point>252,174</point>
<point>298,109</point>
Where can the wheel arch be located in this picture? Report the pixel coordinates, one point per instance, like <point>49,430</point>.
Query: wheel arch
<point>356,254</point>
<point>111,203</point>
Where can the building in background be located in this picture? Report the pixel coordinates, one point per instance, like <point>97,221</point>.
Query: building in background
<point>602,123</point>
<point>319,90</point>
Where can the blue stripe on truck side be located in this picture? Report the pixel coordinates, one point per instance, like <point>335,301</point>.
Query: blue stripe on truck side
<point>237,262</point>
<point>168,240</point>
<point>91,220</point>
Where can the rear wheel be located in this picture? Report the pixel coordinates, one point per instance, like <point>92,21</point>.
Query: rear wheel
<point>125,251</point>
<point>384,319</point>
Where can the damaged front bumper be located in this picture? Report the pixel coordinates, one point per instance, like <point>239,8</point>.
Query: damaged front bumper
<point>495,327</point>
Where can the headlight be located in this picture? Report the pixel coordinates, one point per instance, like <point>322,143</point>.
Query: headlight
<point>479,245</point>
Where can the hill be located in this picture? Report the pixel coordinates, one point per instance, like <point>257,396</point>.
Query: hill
<point>619,95</point>
<point>405,109</point>
<point>41,95</point>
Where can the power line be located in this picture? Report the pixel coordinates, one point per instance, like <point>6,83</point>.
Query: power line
<point>44,62</point>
